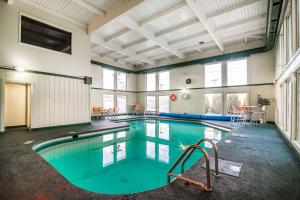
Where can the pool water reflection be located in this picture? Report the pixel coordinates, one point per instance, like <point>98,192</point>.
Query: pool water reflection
<point>129,161</point>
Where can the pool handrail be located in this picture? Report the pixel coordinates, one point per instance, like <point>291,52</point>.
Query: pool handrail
<point>217,174</point>
<point>205,187</point>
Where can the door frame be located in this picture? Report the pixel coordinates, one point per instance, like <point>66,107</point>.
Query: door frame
<point>28,106</point>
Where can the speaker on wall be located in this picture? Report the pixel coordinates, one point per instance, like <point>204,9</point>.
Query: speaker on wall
<point>88,80</point>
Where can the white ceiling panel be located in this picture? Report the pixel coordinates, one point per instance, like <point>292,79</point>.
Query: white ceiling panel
<point>66,8</point>
<point>102,4</point>
<point>149,8</point>
<point>255,9</point>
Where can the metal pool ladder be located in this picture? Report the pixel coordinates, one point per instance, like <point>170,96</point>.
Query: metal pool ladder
<point>186,155</point>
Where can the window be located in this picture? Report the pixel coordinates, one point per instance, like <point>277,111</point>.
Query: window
<point>108,137</point>
<point>213,75</point>
<point>121,81</point>
<point>288,107</point>
<point>213,104</point>
<point>121,103</point>
<point>281,108</point>
<point>164,131</point>
<point>150,129</point>
<point>237,72</point>
<point>108,155</point>
<point>151,104</point>
<point>298,106</point>
<point>164,104</point>
<point>163,153</point>
<point>151,82</point>
<point>288,24</point>
<point>108,79</point>
<point>164,80</point>
<point>121,151</point>
<point>150,150</point>
<point>108,101</point>
<point>43,35</point>
<point>234,100</point>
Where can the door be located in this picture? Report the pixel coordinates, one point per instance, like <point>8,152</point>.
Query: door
<point>15,104</point>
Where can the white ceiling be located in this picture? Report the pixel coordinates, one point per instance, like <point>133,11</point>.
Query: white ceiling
<point>157,32</point>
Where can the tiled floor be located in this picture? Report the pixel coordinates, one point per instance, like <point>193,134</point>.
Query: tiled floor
<point>271,169</point>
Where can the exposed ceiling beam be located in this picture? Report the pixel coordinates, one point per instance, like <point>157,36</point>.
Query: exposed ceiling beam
<point>134,26</point>
<point>54,13</point>
<point>112,12</point>
<point>119,49</point>
<point>241,22</point>
<point>200,12</point>
<point>232,8</point>
<point>192,38</point>
<point>89,7</point>
<point>153,17</point>
<point>185,24</point>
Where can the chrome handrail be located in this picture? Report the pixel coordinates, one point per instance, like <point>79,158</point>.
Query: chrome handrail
<point>206,187</point>
<point>216,156</point>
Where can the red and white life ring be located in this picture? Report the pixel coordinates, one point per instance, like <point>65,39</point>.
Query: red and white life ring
<point>173,97</point>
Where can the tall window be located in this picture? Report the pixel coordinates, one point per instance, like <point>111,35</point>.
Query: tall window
<point>288,28</point>
<point>281,107</point>
<point>108,101</point>
<point>288,107</point>
<point>298,106</point>
<point>151,82</point>
<point>108,79</point>
<point>213,104</point>
<point>237,72</point>
<point>121,81</point>
<point>163,104</point>
<point>234,100</point>
<point>164,80</point>
<point>121,103</point>
<point>213,75</point>
<point>151,103</point>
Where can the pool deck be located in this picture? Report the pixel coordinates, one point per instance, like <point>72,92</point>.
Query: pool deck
<point>271,168</point>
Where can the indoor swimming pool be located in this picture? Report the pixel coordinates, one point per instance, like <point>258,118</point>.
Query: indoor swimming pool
<point>128,161</point>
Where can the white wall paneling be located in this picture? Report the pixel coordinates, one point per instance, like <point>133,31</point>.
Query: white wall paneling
<point>54,100</point>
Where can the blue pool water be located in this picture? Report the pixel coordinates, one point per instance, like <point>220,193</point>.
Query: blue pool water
<point>130,161</point>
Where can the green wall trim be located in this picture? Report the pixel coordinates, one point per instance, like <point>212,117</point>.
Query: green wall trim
<point>196,88</point>
<point>110,90</point>
<point>43,73</point>
<point>218,58</point>
<point>111,67</point>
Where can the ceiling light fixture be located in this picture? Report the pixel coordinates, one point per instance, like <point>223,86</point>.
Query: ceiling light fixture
<point>20,69</point>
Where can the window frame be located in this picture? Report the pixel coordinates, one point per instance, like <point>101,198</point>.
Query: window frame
<point>116,77</point>
<point>117,97</point>
<point>155,82</point>
<point>159,96</point>
<point>222,99</point>
<point>155,103</point>
<point>159,80</point>
<point>205,71</point>
<point>227,71</point>
<point>235,92</point>
<point>112,101</point>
